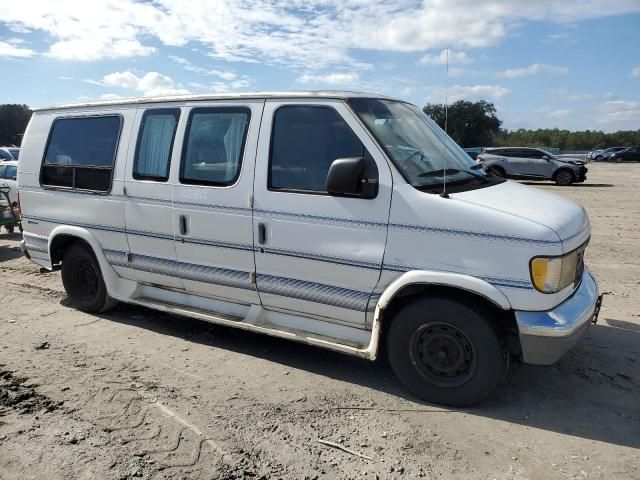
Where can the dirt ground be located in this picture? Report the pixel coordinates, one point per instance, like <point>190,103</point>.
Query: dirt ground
<point>138,394</point>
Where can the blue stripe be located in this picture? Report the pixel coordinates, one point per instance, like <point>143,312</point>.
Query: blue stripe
<point>283,286</point>
<point>472,234</point>
<point>495,281</point>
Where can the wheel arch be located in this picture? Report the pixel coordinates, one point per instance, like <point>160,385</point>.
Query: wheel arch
<point>63,236</point>
<point>418,284</point>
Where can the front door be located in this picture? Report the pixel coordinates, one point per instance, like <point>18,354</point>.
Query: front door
<point>539,166</point>
<point>212,200</point>
<point>317,255</point>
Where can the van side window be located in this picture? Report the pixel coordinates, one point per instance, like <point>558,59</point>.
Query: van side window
<point>154,145</point>
<point>214,145</point>
<point>304,143</point>
<point>80,153</point>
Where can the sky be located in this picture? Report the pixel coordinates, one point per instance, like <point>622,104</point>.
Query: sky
<point>543,63</point>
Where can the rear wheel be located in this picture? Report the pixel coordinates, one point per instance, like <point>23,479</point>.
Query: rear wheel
<point>82,279</point>
<point>9,228</point>
<point>445,350</point>
<point>564,177</point>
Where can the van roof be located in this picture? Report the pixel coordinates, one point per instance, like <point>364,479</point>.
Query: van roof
<point>333,94</point>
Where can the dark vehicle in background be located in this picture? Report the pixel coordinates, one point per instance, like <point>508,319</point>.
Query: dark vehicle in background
<point>9,153</point>
<point>473,152</point>
<point>531,164</point>
<point>631,154</point>
<point>604,155</point>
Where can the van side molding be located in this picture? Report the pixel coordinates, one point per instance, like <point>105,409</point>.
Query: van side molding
<point>456,280</point>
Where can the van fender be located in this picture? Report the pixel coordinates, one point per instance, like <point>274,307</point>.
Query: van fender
<point>456,280</point>
<point>117,287</point>
<point>424,277</point>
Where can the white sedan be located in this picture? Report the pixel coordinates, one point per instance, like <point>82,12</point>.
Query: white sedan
<point>8,174</point>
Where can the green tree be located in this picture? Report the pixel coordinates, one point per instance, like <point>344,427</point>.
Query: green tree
<point>13,122</point>
<point>470,124</point>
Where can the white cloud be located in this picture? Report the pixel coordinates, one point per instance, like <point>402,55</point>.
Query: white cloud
<point>619,111</point>
<point>562,94</point>
<point>330,79</point>
<point>10,49</point>
<point>109,96</point>
<point>97,48</point>
<point>471,92</point>
<point>310,34</point>
<point>224,75</point>
<point>455,58</point>
<point>553,113</point>
<point>635,72</point>
<point>150,84</point>
<point>535,69</point>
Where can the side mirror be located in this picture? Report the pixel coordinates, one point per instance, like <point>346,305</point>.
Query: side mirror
<point>545,157</point>
<point>347,177</point>
<point>14,178</point>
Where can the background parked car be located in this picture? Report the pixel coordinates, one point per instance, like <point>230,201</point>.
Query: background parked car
<point>9,153</point>
<point>629,155</point>
<point>8,174</point>
<point>604,155</point>
<point>532,164</point>
<point>593,154</point>
<point>473,152</point>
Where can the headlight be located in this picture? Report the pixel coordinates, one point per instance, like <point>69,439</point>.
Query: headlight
<point>552,274</point>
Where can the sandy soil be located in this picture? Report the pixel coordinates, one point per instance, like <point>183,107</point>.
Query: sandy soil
<point>138,394</point>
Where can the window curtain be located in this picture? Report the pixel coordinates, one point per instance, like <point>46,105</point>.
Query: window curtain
<point>155,146</point>
<point>233,143</point>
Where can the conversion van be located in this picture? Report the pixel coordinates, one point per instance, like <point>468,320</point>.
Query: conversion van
<point>342,220</point>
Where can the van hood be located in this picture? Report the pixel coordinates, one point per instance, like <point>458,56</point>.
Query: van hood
<point>565,217</point>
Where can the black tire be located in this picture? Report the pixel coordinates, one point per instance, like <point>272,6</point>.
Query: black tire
<point>446,351</point>
<point>82,279</point>
<point>598,158</point>
<point>564,177</point>
<point>498,172</point>
<point>9,228</point>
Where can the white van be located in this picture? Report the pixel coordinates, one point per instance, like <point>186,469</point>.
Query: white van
<point>342,220</point>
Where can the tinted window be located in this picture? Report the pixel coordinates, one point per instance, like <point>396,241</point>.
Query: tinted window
<point>10,172</point>
<point>305,141</point>
<point>214,144</point>
<point>4,155</point>
<point>155,141</point>
<point>81,152</point>
<point>2,169</point>
<point>15,152</point>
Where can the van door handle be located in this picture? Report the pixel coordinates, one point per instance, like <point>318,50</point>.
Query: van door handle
<point>262,234</point>
<point>183,225</point>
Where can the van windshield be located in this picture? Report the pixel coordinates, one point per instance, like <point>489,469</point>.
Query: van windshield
<point>419,147</point>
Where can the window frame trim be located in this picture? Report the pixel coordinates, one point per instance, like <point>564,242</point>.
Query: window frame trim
<point>312,192</point>
<point>151,178</point>
<point>74,166</point>
<point>185,144</point>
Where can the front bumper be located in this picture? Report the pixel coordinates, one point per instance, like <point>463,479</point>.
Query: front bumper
<point>547,336</point>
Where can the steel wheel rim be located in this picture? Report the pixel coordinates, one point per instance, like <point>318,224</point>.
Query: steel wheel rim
<point>443,354</point>
<point>85,279</point>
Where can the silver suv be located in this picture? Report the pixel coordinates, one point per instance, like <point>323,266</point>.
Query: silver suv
<point>532,164</point>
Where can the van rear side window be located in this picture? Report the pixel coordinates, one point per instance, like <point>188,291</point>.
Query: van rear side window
<point>155,141</point>
<point>81,152</point>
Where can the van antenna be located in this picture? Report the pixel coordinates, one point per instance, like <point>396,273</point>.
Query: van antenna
<point>444,193</point>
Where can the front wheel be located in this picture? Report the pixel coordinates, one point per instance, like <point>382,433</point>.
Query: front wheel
<point>9,228</point>
<point>446,351</point>
<point>564,178</point>
<point>82,279</point>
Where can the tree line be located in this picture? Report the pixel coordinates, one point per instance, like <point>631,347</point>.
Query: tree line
<point>476,124</point>
<point>13,121</point>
